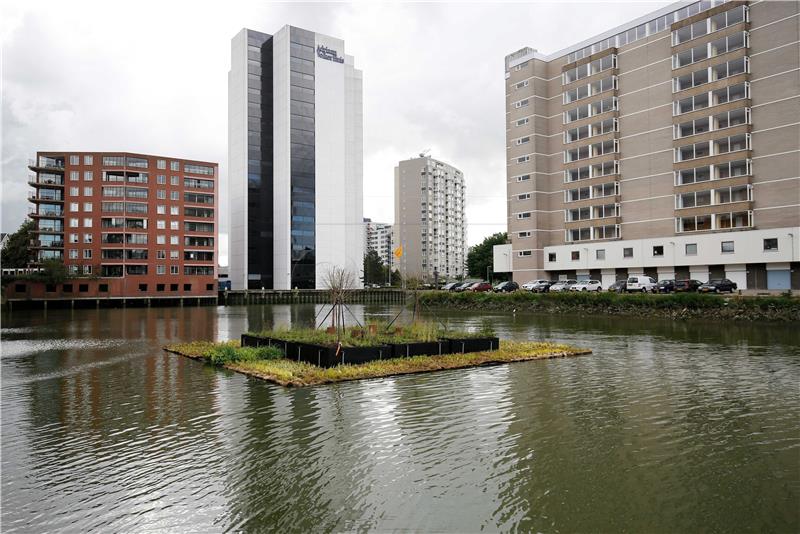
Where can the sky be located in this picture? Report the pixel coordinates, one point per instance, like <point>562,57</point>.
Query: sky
<point>151,77</point>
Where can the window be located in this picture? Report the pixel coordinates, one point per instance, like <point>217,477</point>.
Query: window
<point>522,235</point>
<point>173,240</point>
<point>522,122</point>
<point>103,288</point>
<point>691,249</point>
<point>627,252</point>
<point>161,254</point>
<point>658,250</point>
<point>173,210</point>
<point>197,169</point>
<point>174,166</point>
<point>142,287</point>
<point>523,178</point>
<point>161,194</point>
<point>727,247</point>
<point>88,160</point>
<point>74,175</point>
<point>161,209</point>
<point>161,179</point>
<point>522,253</point>
<point>74,160</point>
<point>521,84</point>
<point>551,256</point>
<point>88,176</point>
<point>87,206</point>
<point>523,140</point>
<point>174,180</point>
<point>74,191</point>
<point>139,163</point>
<point>87,238</point>
<point>161,164</point>
<point>87,254</point>
<point>161,224</point>
<point>173,225</point>
<point>73,238</point>
<point>521,103</point>
<point>74,206</point>
<point>113,161</point>
<point>524,215</point>
<point>174,195</point>
<point>173,269</point>
<point>600,254</point>
<point>173,287</point>
<point>575,255</point>
<point>161,269</point>
<point>523,159</point>
<point>771,244</point>
<point>173,254</point>
<point>73,254</point>
<point>161,240</point>
<point>87,191</point>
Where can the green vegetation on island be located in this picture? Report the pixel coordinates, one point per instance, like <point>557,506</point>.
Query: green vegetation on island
<point>285,372</point>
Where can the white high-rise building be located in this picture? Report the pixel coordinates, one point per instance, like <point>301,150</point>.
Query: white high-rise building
<point>378,237</point>
<point>429,220</point>
<point>295,159</point>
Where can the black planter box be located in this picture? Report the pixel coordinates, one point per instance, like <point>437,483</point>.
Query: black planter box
<point>356,355</point>
<point>473,344</point>
<point>423,348</point>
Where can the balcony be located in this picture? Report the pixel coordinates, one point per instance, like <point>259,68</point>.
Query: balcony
<point>33,196</point>
<point>46,164</point>
<point>38,243</point>
<point>46,180</point>
<point>44,212</point>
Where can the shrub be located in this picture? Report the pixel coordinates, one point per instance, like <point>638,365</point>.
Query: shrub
<point>227,353</point>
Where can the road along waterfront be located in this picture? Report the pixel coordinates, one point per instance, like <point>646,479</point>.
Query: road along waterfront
<point>668,426</point>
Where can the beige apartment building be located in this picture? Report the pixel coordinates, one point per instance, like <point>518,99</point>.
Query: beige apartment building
<point>429,220</point>
<point>668,146</point>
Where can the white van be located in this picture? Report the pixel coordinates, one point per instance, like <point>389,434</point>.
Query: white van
<point>641,283</point>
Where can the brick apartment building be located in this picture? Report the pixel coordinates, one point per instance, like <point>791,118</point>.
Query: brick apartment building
<point>668,146</point>
<point>125,225</point>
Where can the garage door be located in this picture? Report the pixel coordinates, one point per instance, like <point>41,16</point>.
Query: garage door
<point>778,279</point>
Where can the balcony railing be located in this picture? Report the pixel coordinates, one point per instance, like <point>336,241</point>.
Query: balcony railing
<point>47,163</point>
<point>44,212</point>
<point>37,243</point>
<point>47,179</point>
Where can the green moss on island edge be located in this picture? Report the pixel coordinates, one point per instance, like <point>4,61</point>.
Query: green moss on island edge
<point>290,373</point>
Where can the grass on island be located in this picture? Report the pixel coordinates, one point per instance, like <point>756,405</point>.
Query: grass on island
<point>269,365</point>
<point>383,334</point>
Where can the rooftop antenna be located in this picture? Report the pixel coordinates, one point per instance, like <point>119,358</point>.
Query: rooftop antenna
<point>424,152</point>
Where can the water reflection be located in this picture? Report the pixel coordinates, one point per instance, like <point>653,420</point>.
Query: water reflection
<point>667,427</point>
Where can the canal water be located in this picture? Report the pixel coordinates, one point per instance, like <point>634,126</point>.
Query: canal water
<point>667,427</point>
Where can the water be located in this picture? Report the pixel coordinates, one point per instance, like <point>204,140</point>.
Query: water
<point>667,427</point>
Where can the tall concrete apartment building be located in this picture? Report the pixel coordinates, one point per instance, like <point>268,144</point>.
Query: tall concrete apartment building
<point>668,146</point>
<point>295,159</point>
<point>378,237</point>
<point>125,225</point>
<point>429,220</point>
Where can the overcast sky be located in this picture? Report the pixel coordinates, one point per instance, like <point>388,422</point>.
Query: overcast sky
<point>151,77</point>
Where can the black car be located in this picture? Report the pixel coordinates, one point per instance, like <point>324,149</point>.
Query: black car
<point>718,286</point>
<point>506,287</point>
<point>665,286</point>
<point>448,287</point>
<point>461,287</point>
<point>619,286</point>
<point>687,285</point>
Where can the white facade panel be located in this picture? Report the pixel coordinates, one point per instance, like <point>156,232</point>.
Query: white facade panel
<point>282,177</point>
<point>237,162</point>
<point>501,258</point>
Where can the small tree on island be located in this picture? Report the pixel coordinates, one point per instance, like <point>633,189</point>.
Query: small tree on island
<point>339,282</point>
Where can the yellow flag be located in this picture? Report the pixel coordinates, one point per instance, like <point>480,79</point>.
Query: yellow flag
<point>398,251</point>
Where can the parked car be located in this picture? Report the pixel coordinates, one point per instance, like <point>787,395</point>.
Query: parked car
<point>640,283</point>
<point>480,287</point>
<point>542,286</point>
<point>530,285</point>
<point>717,286</point>
<point>666,286</point>
<point>586,285</point>
<point>682,286</point>
<point>619,286</point>
<point>506,287</point>
<point>562,285</point>
<point>463,286</point>
<point>450,286</point>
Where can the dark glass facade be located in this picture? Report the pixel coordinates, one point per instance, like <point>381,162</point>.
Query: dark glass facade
<point>301,66</point>
<point>259,161</point>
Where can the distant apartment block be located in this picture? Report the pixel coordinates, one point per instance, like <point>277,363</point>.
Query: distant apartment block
<point>295,159</point>
<point>125,225</point>
<point>429,223</point>
<point>668,146</point>
<point>378,237</point>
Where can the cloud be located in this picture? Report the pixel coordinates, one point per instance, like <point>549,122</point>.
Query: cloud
<point>152,77</point>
